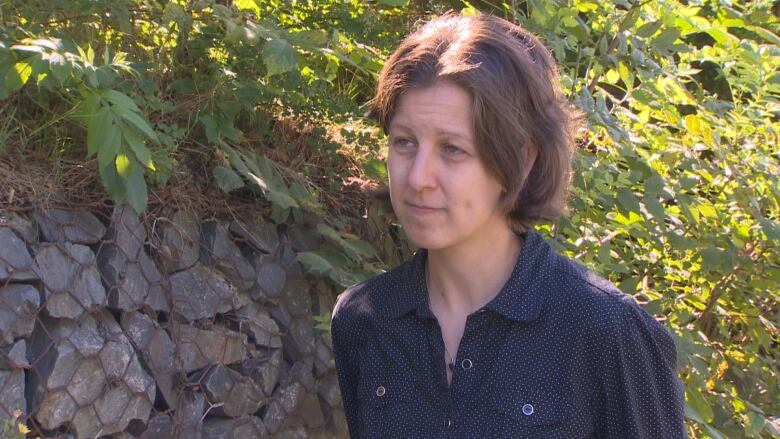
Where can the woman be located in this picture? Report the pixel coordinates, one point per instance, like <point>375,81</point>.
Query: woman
<point>486,332</point>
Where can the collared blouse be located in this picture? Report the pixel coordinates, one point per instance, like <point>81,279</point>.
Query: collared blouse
<point>558,353</point>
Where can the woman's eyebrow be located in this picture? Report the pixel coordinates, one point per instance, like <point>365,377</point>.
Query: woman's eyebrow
<point>443,133</point>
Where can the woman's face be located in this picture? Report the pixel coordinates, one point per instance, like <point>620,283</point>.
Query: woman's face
<point>439,188</point>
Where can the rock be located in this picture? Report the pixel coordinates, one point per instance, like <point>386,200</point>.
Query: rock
<point>274,416</point>
<point>14,357</point>
<point>160,427</point>
<point>87,376</point>
<point>18,307</point>
<point>289,260</point>
<point>330,391</point>
<point>247,427</point>
<point>202,293</point>
<point>16,264</point>
<point>303,237</point>
<point>188,415</point>
<point>291,396</point>
<point>255,322</point>
<point>262,236</point>
<point>181,237</point>
<point>127,232</point>
<point>132,282</point>
<point>271,278</point>
<point>217,249</point>
<point>12,393</point>
<point>236,395</point>
<point>197,348</point>
<point>299,340</point>
<point>293,431</point>
<point>19,224</point>
<point>323,356</point>
<point>296,297</point>
<point>263,367</point>
<point>79,227</point>
<point>157,350</point>
<point>71,279</point>
<point>311,411</point>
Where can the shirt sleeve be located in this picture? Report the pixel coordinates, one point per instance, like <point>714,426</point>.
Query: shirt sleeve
<point>345,352</point>
<point>643,394</point>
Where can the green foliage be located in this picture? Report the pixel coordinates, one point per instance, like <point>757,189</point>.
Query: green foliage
<point>675,198</point>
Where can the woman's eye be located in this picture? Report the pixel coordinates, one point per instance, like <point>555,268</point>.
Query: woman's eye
<point>402,143</point>
<point>452,150</point>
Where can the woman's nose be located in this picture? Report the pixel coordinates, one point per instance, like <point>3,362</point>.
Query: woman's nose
<point>422,172</point>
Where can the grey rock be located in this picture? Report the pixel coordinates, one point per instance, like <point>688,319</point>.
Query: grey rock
<point>233,394</point>
<point>255,322</point>
<point>271,278</point>
<point>127,232</point>
<point>274,416</point>
<point>16,264</point>
<point>18,307</point>
<point>300,338</point>
<point>15,356</point>
<point>323,356</point>
<point>160,427</point>
<point>263,367</point>
<point>200,293</point>
<point>330,391</point>
<point>296,297</point>
<point>132,282</point>
<point>181,237</point>
<point>71,279</point>
<point>219,250</point>
<point>289,260</point>
<point>197,348</point>
<point>262,236</point>
<point>303,238</point>
<point>188,415</point>
<point>12,393</point>
<point>247,427</point>
<point>311,411</point>
<point>157,350</point>
<point>291,396</point>
<point>80,227</point>
<point>19,224</point>
<point>293,431</point>
<point>87,376</point>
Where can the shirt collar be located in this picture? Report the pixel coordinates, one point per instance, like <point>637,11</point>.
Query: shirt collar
<point>520,299</point>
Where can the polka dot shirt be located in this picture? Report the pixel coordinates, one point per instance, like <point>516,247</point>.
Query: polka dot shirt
<point>558,353</point>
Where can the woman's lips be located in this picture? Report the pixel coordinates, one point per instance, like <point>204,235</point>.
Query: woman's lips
<point>422,210</point>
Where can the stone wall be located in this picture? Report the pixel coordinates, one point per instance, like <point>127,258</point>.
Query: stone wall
<point>168,327</point>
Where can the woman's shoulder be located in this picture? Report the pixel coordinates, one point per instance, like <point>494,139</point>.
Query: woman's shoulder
<point>596,304</point>
<point>367,299</point>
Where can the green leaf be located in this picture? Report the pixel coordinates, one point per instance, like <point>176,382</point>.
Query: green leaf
<point>396,3</point>
<point>314,263</point>
<point>376,169</point>
<point>17,76</point>
<point>696,407</point>
<point>110,148</point>
<point>114,183</point>
<point>138,147</point>
<point>279,57</point>
<point>102,131</point>
<point>139,123</point>
<point>120,100</point>
<point>137,194</point>
<point>771,229</point>
<point>227,179</point>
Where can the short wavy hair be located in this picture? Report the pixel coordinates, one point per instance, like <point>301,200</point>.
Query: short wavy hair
<point>524,128</point>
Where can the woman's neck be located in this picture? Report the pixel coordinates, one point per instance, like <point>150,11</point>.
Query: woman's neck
<point>465,278</point>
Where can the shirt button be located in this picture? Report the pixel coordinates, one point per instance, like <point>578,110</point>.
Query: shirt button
<point>466,364</point>
<point>448,424</point>
<point>528,410</point>
<point>380,391</point>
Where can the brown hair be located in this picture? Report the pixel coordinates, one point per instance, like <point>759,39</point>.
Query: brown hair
<point>519,111</point>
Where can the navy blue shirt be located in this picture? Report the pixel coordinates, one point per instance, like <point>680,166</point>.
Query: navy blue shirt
<point>558,353</point>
